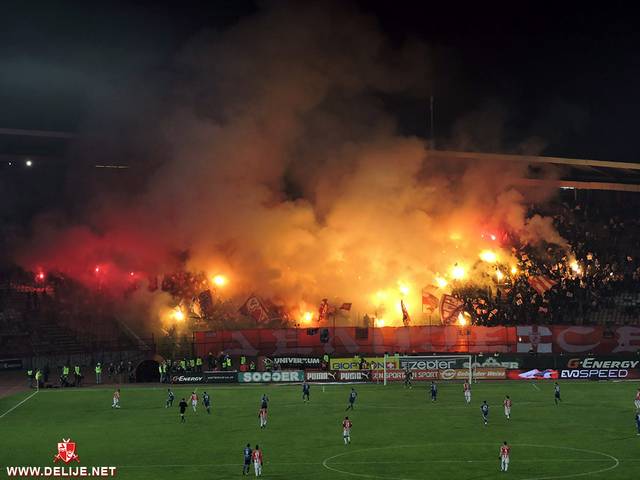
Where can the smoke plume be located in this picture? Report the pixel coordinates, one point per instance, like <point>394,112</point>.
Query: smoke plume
<point>269,155</point>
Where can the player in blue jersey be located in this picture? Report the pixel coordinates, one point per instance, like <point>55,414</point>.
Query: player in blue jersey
<point>247,460</point>
<point>556,393</point>
<point>264,401</point>
<point>206,401</point>
<point>306,389</point>
<point>638,422</point>
<point>484,408</point>
<point>352,398</point>
<point>434,391</point>
<point>170,398</point>
<point>407,377</point>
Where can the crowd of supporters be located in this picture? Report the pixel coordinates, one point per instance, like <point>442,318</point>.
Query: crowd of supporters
<point>590,274</point>
<point>592,279</point>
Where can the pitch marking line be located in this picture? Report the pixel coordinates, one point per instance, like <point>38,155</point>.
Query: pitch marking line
<point>535,386</point>
<point>551,477</point>
<point>390,462</point>
<point>18,404</point>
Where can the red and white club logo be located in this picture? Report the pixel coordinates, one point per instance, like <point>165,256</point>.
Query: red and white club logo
<point>66,451</point>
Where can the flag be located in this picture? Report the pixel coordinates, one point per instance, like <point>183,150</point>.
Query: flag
<point>406,319</point>
<point>255,307</point>
<point>429,301</point>
<point>450,308</point>
<point>323,310</point>
<point>345,306</point>
<point>205,303</point>
<point>541,284</point>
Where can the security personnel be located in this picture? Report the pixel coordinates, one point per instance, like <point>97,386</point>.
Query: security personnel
<point>65,376</point>
<point>38,379</point>
<point>243,363</point>
<point>30,376</point>
<point>228,362</point>
<point>199,365</point>
<point>192,365</point>
<point>252,366</point>
<point>161,371</point>
<point>77,375</point>
<point>183,365</point>
<point>98,373</point>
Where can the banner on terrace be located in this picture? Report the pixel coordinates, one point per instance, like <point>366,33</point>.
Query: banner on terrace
<point>344,342</point>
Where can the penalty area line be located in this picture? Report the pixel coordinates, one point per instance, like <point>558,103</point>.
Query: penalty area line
<point>18,404</point>
<point>535,386</point>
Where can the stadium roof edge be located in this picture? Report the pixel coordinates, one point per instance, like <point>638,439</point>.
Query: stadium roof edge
<point>577,185</point>
<point>575,162</point>
<point>19,132</point>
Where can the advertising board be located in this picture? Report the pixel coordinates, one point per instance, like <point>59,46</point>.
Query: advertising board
<point>207,377</point>
<point>271,377</point>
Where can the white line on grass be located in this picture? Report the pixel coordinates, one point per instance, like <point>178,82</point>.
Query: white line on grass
<point>535,386</point>
<point>610,458</point>
<point>18,404</point>
<point>453,460</point>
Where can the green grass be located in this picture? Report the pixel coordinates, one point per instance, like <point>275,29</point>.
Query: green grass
<point>397,433</point>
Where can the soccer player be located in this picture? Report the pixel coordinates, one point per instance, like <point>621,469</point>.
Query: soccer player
<point>305,392</point>
<point>466,388</point>
<point>434,391</point>
<point>183,407</point>
<point>346,430</point>
<point>352,398</point>
<point>247,460</point>
<point>638,422</point>
<point>505,450</point>
<point>206,401</point>
<point>556,394</point>
<point>407,377</point>
<point>170,398</point>
<point>116,399</point>
<point>507,407</point>
<point>637,402</point>
<point>194,401</point>
<point>262,415</point>
<point>264,401</point>
<point>484,408</point>
<point>257,461</point>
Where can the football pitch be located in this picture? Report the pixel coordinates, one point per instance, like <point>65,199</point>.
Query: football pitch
<point>397,433</point>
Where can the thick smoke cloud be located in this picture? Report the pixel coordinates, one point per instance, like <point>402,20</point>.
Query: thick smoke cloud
<point>272,159</point>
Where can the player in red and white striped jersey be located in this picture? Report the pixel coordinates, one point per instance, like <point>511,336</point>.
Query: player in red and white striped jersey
<point>346,430</point>
<point>194,401</point>
<point>262,416</point>
<point>637,402</point>
<point>257,461</point>
<point>467,391</point>
<point>507,407</point>
<point>505,451</point>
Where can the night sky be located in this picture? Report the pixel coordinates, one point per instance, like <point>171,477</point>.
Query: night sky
<point>563,76</point>
<point>566,72</point>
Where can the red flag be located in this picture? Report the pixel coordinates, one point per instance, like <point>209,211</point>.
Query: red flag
<point>345,306</point>
<point>429,301</point>
<point>450,307</point>
<point>256,308</point>
<point>406,319</point>
<point>541,284</point>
